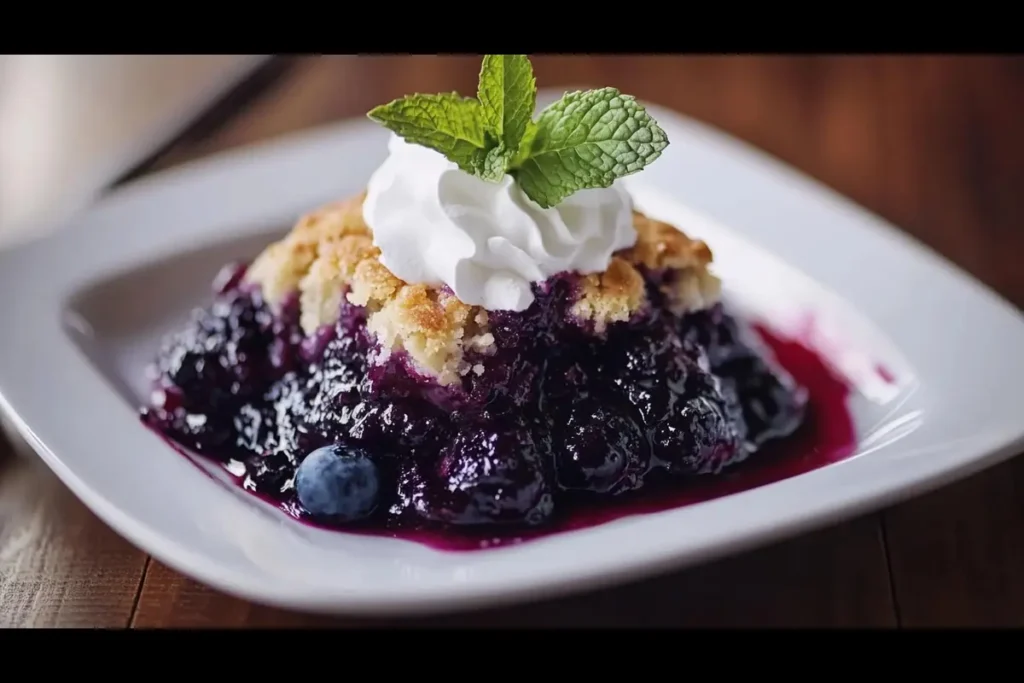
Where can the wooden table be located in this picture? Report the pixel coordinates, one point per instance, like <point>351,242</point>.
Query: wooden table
<point>931,143</point>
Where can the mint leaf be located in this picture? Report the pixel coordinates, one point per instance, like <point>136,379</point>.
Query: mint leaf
<point>508,92</point>
<point>446,123</point>
<point>587,140</point>
<point>495,164</point>
<point>523,153</point>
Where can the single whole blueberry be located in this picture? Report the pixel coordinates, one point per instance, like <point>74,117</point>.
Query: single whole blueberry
<point>219,359</point>
<point>487,474</point>
<point>600,446</point>
<point>771,402</point>
<point>697,438</point>
<point>338,482</point>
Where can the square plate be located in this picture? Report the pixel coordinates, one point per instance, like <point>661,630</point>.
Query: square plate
<point>82,311</point>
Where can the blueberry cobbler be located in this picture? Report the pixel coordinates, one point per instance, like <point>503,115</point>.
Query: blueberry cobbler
<point>486,338</point>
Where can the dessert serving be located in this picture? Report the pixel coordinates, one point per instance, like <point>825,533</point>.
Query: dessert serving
<point>486,341</point>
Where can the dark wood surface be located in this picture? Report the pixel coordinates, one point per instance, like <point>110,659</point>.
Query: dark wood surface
<point>931,143</point>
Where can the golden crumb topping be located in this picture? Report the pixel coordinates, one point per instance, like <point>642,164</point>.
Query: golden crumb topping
<point>611,296</point>
<point>330,254</point>
<point>660,245</point>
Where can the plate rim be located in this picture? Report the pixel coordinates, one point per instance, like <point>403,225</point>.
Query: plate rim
<point>997,448</point>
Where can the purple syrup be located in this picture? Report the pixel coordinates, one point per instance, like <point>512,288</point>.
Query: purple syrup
<point>827,436</point>
<point>563,429</point>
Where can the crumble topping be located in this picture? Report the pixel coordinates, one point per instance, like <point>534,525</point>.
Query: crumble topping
<point>330,254</point>
<point>611,296</point>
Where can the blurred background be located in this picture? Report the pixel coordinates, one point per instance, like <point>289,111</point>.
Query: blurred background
<point>71,124</point>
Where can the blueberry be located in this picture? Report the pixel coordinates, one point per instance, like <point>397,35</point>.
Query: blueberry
<point>646,351</point>
<point>255,428</point>
<point>763,400</point>
<point>205,434</point>
<point>772,404</point>
<point>342,367</point>
<point>275,423</point>
<point>270,475</point>
<point>396,425</point>
<point>337,482</point>
<point>718,333</point>
<point>657,393</point>
<point>722,390</point>
<point>696,437</point>
<point>601,447</point>
<point>329,419</point>
<point>487,474</point>
<point>219,359</point>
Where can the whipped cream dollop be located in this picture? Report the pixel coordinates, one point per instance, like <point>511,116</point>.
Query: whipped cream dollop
<point>436,224</point>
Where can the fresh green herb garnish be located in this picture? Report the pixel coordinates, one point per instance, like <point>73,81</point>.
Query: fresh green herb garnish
<point>584,140</point>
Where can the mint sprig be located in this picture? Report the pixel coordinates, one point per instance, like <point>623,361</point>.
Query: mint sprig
<point>585,140</point>
<point>508,93</point>
<point>451,124</point>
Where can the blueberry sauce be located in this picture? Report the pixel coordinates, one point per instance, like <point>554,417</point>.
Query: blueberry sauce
<point>559,428</point>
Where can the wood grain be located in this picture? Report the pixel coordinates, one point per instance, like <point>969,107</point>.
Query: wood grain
<point>930,143</point>
<point>59,565</point>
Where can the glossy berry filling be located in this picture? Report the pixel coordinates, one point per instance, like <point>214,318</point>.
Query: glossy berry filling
<point>556,419</point>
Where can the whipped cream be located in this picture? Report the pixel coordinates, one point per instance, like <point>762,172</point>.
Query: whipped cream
<point>436,224</point>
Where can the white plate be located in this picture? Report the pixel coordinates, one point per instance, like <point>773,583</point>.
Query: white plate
<point>82,311</point>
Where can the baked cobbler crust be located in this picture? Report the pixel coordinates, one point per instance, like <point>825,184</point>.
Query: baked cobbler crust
<point>330,254</point>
